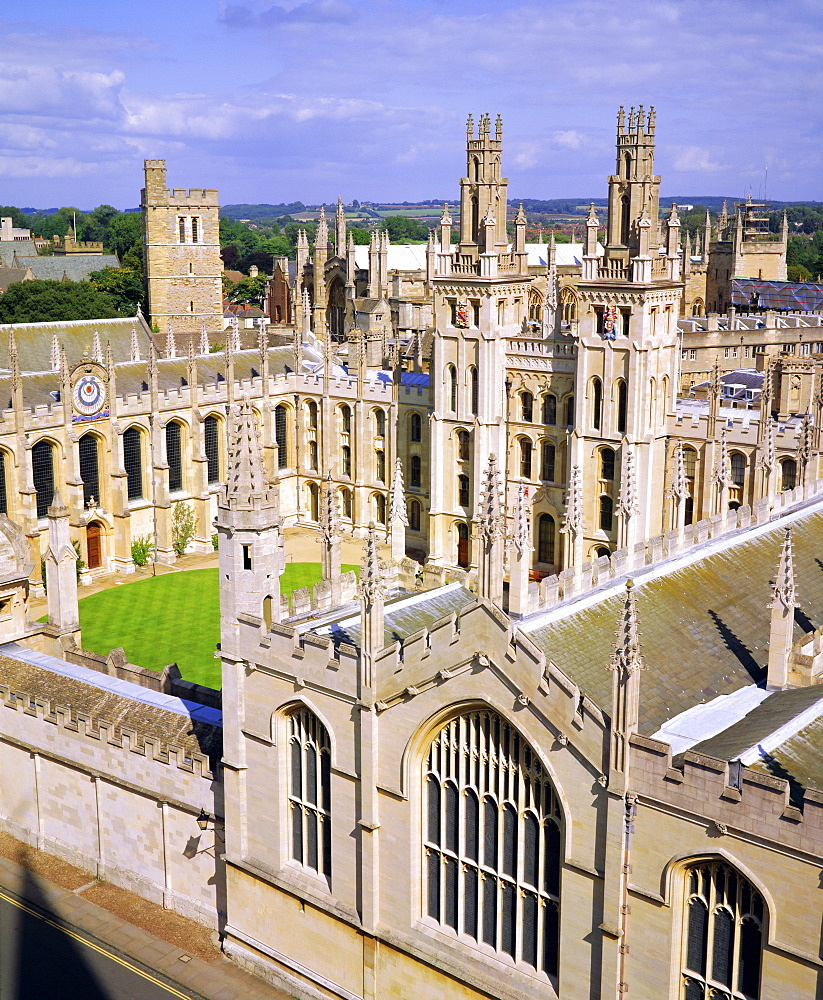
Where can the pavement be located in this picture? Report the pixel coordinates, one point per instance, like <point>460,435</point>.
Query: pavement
<point>166,954</point>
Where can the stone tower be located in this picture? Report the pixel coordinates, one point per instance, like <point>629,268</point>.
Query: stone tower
<point>181,255</point>
<point>628,360</point>
<point>483,190</point>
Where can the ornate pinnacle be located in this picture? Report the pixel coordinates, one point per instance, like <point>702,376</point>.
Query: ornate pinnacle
<point>262,340</point>
<point>574,502</point>
<point>329,510</point>
<point>372,587</point>
<point>520,218</point>
<point>768,456</point>
<point>498,129</point>
<point>204,338</point>
<point>806,446</point>
<point>679,488</point>
<point>521,530</point>
<point>621,120</point>
<point>171,347</point>
<point>235,334</point>
<point>445,218</point>
<point>321,240</point>
<point>721,474</point>
<point>97,347</point>
<point>397,511</point>
<point>489,513</point>
<point>245,477</point>
<point>109,356</point>
<point>627,497</point>
<point>135,345</point>
<point>55,353</point>
<point>151,367</point>
<point>626,656</point>
<point>715,384</point>
<point>783,594</point>
<point>592,217</point>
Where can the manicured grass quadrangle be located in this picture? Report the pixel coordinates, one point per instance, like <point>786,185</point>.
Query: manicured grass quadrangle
<point>173,618</point>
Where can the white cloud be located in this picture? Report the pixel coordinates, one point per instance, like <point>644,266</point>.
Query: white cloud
<point>696,159</point>
<point>567,139</point>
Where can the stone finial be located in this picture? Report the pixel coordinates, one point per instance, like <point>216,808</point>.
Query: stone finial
<point>321,240</point>
<point>97,348</point>
<point>627,495</point>
<point>55,353</point>
<point>783,593</point>
<point>372,587</point>
<point>768,450</point>
<point>151,365</point>
<point>109,356</point>
<point>632,119</point>
<point>805,448</point>
<point>721,474</point>
<point>445,218</point>
<point>520,218</point>
<point>573,518</point>
<point>650,122</point>
<point>679,488</point>
<point>235,334</point>
<point>306,311</point>
<point>397,511</point>
<point>244,473</point>
<point>489,513</point>
<point>469,128</point>
<point>498,129</point>
<point>262,339</point>
<point>621,120</point>
<point>57,508</point>
<point>626,657</point>
<point>204,338</point>
<point>521,530</point>
<point>135,345</point>
<point>329,513</point>
<point>171,346</point>
<point>591,219</point>
<point>715,383</point>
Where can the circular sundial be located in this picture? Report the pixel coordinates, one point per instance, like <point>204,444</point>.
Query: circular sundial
<point>89,395</point>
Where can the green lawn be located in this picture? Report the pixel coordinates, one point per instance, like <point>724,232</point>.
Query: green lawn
<point>173,618</point>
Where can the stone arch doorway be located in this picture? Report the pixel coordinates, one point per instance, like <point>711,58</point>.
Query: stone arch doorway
<point>94,545</point>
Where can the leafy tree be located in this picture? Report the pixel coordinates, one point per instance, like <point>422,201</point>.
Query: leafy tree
<point>125,232</point>
<point>249,290</point>
<point>18,220</point>
<point>47,301</point>
<point>123,284</point>
<point>796,272</point>
<point>401,229</point>
<point>183,526</point>
<point>361,237</point>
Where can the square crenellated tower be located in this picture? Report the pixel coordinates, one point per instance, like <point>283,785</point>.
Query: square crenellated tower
<point>181,252</point>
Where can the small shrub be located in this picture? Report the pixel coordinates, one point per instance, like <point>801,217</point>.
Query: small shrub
<point>183,524</point>
<point>142,549</point>
<point>215,541</point>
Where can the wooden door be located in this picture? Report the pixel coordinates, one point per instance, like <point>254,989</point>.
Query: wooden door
<point>94,548</point>
<point>462,545</point>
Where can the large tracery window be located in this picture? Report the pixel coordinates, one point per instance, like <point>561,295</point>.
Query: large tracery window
<point>310,791</point>
<point>492,830</point>
<point>723,934</point>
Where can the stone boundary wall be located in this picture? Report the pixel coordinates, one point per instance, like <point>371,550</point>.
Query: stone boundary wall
<point>571,583</point>
<point>121,805</point>
<point>735,799</point>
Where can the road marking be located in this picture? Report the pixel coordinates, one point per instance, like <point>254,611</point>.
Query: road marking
<point>90,944</point>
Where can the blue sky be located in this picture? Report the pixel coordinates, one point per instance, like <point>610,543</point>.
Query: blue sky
<point>277,100</point>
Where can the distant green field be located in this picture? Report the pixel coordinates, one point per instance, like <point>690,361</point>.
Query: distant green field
<point>173,618</point>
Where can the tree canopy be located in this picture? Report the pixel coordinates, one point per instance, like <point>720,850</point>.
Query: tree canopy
<point>47,301</point>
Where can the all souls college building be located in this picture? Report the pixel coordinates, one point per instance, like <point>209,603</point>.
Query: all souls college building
<point>580,754</point>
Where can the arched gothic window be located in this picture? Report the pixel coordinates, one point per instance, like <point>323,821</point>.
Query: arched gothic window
<point>723,934</point>
<point>345,418</point>
<point>622,406</point>
<point>311,410</point>
<point>310,791</point>
<point>525,458</point>
<point>606,463</point>
<point>379,508</point>
<point>568,306</point>
<point>42,468</point>
<point>451,384</point>
<point>133,462</point>
<point>174,456</point>
<point>492,829</point>
<point>89,468</point>
<point>738,468</point>
<point>314,501</point>
<point>281,437</point>
<point>606,513</point>
<point>414,515</point>
<point>415,475</point>
<point>545,538</point>
<point>547,465</point>
<point>526,406</point>
<point>474,389</point>
<point>4,497</point>
<point>463,446</point>
<point>550,409</point>
<point>380,423</point>
<point>211,443</point>
<point>415,427</point>
<point>597,403</point>
<point>345,502</point>
<point>788,474</point>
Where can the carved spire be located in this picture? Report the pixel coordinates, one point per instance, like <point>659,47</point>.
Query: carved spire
<point>573,518</point>
<point>171,346</point>
<point>204,338</point>
<point>520,218</point>
<point>235,334</point>
<point>679,488</point>
<point>521,529</point>
<point>768,451</point>
<point>397,511</point>
<point>321,240</point>
<point>244,473</point>
<point>721,474</point>
<point>340,229</point>
<point>306,311</point>
<point>551,281</point>
<point>329,510</point>
<point>135,345</point>
<point>489,512</point>
<point>627,495</point>
<point>55,353</point>
<point>151,366</point>
<point>626,657</point>
<point>109,356</point>
<point>783,593</point>
<point>14,361</point>
<point>97,348</point>
<point>372,588</point>
<point>262,340</point>
<point>805,448</point>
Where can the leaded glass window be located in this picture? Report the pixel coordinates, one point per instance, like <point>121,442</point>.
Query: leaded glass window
<point>42,469</point>
<point>310,791</point>
<point>493,842</point>
<point>4,498</point>
<point>281,437</point>
<point>723,934</point>
<point>212,446</point>
<point>174,456</point>
<point>89,468</point>
<point>133,462</point>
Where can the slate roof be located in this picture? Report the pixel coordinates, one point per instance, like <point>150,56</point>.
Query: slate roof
<point>406,615</point>
<point>704,627</point>
<point>799,759</point>
<point>22,248</point>
<point>34,340</point>
<point>75,267</point>
<point>8,276</point>
<point>119,703</point>
<point>784,295</point>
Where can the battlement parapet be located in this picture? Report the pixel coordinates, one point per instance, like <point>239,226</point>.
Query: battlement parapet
<point>106,733</point>
<point>732,796</point>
